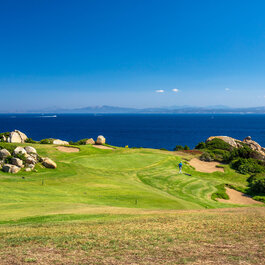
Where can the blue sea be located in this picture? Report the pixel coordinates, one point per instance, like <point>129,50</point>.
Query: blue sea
<point>137,130</point>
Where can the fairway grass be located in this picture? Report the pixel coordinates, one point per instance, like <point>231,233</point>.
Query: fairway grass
<point>102,181</point>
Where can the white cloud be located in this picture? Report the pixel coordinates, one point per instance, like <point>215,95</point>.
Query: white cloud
<point>227,89</point>
<point>160,91</point>
<point>176,90</point>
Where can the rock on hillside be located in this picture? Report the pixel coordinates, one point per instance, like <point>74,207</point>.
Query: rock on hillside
<point>60,142</point>
<point>90,141</point>
<point>47,162</point>
<point>17,137</point>
<point>101,140</point>
<point>238,143</point>
<point>22,158</point>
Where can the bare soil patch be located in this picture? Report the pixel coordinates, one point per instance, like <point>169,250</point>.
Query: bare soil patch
<point>207,167</point>
<point>102,147</point>
<point>68,149</point>
<point>237,197</point>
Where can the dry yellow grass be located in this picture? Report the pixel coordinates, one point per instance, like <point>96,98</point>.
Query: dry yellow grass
<point>223,236</point>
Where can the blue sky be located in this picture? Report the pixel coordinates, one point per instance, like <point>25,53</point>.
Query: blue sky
<point>136,53</point>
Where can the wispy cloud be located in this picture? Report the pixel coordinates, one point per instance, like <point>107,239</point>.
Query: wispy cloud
<point>227,89</point>
<point>160,91</point>
<point>176,90</point>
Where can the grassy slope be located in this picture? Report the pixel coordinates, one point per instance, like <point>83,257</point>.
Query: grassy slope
<point>119,207</point>
<point>96,181</point>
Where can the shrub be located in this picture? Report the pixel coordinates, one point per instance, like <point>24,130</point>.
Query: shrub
<point>30,141</point>
<point>247,165</point>
<point>46,141</point>
<point>178,148</point>
<point>21,156</point>
<point>201,145</point>
<point>206,157</point>
<point>8,160</point>
<point>186,147</point>
<point>218,144</point>
<point>257,183</point>
<point>163,149</point>
<point>8,146</point>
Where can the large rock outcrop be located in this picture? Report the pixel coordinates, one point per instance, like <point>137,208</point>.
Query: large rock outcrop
<point>17,137</point>
<point>238,143</point>
<point>233,142</point>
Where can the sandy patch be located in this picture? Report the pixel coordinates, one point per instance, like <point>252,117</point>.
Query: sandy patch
<point>68,149</point>
<point>207,167</point>
<point>237,197</point>
<point>102,147</point>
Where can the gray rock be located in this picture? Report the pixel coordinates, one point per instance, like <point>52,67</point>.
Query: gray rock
<point>60,142</point>
<point>48,163</point>
<point>20,150</point>
<point>101,140</point>
<point>10,168</point>
<point>17,137</point>
<point>4,153</point>
<point>27,169</point>
<point>30,150</point>
<point>31,160</point>
<point>90,141</point>
<point>17,162</point>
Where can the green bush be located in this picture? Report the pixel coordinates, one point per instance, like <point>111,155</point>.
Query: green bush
<point>21,156</point>
<point>46,141</point>
<point>206,157</point>
<point>218,144</point>
<point>201,145</point>
<point>178,148</point>
<point>257,183</point>
<point>186,147</point>
<point>8,160</point>
<point>8,146</point>
<point>247,165</point>
<point>30,141</point>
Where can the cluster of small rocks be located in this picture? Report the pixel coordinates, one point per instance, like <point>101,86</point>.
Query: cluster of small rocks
<point>23,157</point>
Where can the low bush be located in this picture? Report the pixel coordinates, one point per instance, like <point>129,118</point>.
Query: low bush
<point>201,145</point>
<point>8,160</point>
<point>218,144</point>
<point>206,157</point>
<point>8,146</point>
<point>247,165</point>
<point>178,148</point>
<point>21,156</point>
<point>30,141</point>
<point>46,141</point>
<point>257,183</point>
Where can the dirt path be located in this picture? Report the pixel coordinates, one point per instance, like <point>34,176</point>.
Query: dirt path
<point>67,149</point>
<point>207,167</point>
<point>237,197</point>
<point>102,147</point>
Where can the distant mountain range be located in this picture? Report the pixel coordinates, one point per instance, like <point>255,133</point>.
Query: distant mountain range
<point>163,110</point>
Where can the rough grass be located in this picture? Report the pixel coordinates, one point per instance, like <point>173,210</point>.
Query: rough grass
<point>223,236</point>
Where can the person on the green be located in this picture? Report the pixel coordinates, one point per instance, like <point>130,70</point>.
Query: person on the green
<point>180,167</point>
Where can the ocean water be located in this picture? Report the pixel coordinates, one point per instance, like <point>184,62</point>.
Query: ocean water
<point>137,130</point>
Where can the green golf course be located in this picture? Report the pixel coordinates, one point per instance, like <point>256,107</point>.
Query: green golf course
<point>125,206</point>
<point>117,180</point>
